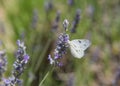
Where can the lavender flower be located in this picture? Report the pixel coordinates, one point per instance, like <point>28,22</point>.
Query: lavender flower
<point>19,65</point>
<point>90,11</point>
<point>3,63</point>
<point>60,50</point>
<point>50,59</point>
<point>6,81</point>
<point>76,21</point>
<point>11,81</point>
<point>34,19</point>
<point>48,6</point>
<point>65,24</point>
<point>56,21</point>
<point>61,46</point>
<point>70,2</point>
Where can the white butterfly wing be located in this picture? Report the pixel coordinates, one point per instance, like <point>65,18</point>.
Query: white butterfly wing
<point>76,52</point>
<point>78,46</point>
<point>82,44</point>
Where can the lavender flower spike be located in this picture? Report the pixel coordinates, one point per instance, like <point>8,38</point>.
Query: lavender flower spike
<point>19,66</point>
<point>56,21</point>
<point>3,63</point>
<point>61,46</point>
<point>65,24</point>
<point>49,6</point>
<point>70,2</point>
<point>34,19</point>
<point>60,50</point>
<point>76,21</point>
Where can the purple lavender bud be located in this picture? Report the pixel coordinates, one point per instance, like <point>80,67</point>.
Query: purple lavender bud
<point>21,45</point>
<point>12,81</point>
<point>48,6</point>
<point>17,67</point>
<point>65,24</point>
<point>66,38</point>
<point>26,58</point>
<point>70,2</point>
<point>3,63</point>
<point>56,55</point>
<point>56,21</point>
<point>22,35</point>
<point>6,82</point>
<point>76,21</point>
<point>60,64</point>
<point>18,42</point>
<point>34,19</point>
<point>19,82</point>
<point>50,59</point>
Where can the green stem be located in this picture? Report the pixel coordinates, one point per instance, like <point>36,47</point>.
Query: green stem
<point>42,55</point>
<point>46,76</point>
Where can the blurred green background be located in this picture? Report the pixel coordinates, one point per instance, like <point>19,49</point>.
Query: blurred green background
<point>32,20</point>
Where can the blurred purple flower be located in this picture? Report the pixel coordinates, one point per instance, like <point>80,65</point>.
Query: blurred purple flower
<point>56,21</point>
<point>6,81</point>
<point>3,63</point>
<point>60,64</point>
<point>76,21</point>
<point>48,6</point>
<point>34,19</point>
<point>70,2</point>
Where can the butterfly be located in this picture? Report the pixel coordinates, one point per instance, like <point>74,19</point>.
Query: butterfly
<point>78,46</point>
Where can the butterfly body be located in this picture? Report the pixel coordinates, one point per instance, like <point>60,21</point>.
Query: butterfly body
<point>78,46</point>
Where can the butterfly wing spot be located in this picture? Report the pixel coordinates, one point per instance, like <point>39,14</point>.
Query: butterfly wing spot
<point>79,41</point>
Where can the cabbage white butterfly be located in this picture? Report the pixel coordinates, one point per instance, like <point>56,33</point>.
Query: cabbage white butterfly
<point>78,46</point>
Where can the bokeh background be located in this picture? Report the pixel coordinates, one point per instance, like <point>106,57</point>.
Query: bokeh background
<point>34,22</point>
